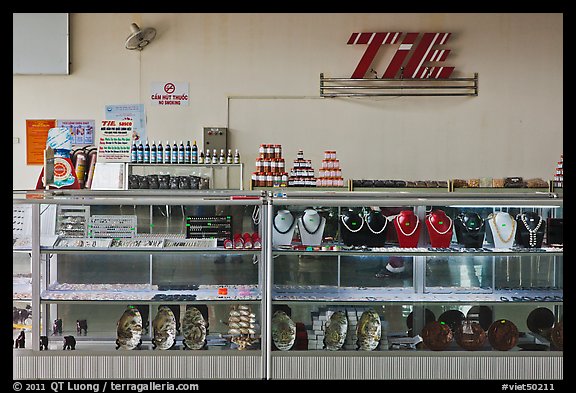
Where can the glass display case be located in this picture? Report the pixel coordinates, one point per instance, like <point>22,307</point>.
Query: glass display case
<point>295,285</point>
<point>416,285</point>
<point>154,278</point>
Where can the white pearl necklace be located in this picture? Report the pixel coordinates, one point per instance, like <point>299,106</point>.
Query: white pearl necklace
<point>372,230</point>
<point>436,230</point>
<point>400,226</point>
<point>532,232</point>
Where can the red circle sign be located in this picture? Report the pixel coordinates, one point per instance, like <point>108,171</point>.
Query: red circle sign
<point>169,88</point>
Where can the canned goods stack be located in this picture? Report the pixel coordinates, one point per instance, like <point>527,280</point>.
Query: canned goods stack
<point>302,173</point>
<point>330,175</point>
<point>559,176</point>
<point>270,167</point>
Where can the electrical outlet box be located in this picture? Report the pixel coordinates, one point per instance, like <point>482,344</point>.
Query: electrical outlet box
<point>216,138</point>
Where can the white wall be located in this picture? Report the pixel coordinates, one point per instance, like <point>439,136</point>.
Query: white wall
<point>513,128</point>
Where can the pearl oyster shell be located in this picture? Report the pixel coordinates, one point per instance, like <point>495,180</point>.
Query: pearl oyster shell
<point>335,332</point>
<point>164,327</point>
<point>129,329</point>
<point>193,329</point>
<point>368,331</point>
<point>283,331</point>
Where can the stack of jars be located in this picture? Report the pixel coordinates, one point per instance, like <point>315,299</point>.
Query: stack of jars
<point>330,174</point>
<point>559,176</point>
<point>302,173</point>
<point>270,167</point>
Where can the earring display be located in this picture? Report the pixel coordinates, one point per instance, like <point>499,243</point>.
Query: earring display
<point>439,229</point>
<point>502,227</point>
<point>470,229</point>
<point>311,227</point>
<point>408,228</point>
<point>531,230</point>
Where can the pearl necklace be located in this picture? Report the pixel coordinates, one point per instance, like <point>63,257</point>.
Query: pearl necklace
<point>436,230</point>
<point>400,226</point>
<point>532,232</point>
<point>350,229</point>
<point>493,218</point>
<point>372,230</point>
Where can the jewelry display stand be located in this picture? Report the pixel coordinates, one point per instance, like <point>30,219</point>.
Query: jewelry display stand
<point>439,229</point>
<point>470,230</point>
<point>502,228</point>
<point>408,228</point>
<point>283,228</point>
<point>311,227</point>
<point>531,230</point>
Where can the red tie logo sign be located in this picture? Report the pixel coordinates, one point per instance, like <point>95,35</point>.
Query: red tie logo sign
<point>414,65</point>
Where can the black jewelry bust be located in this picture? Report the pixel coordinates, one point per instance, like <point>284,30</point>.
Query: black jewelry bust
<point>376,226</point>
<point>531,230</point>
<point>470,229</point>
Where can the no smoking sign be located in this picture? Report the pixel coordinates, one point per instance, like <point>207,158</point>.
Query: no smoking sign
<point>169,93</point>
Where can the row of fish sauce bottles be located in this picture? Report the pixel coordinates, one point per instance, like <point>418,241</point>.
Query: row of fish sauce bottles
<point>179,154</point>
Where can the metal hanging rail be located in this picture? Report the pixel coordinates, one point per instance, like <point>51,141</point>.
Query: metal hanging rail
<point>380,87</point>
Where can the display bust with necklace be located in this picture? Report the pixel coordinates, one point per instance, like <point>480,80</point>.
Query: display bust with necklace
<point>531,229</point>
<point>311,227</point>
<point>470,229</point>
<point>439,228</point>
<point>408,229</point>
<point>502,229</point>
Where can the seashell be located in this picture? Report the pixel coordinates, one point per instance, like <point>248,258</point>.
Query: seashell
<point>243,307</point>
<point>251,331</point>
<point>129,329</point>
<point>283,331</point>
<point>244,331</point>
<point>335,331</point>
<point>252,315</point>
<point>368,330</point>
<point>234,319</point>
<point>164,328</point>
<point>234,325</point>
<point>245,318</point>
<point>244,324</point>
<point>234,331</point>
<point>193,329</point>
<point>234,313</point>
<point>244,313</point>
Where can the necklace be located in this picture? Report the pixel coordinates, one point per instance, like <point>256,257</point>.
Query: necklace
<point>400,226</point>
<point>303,221</point>
<point>532,232</point>
<point>287,230</point>
<point>493,217</point>
<point>469,229</point>
<point>372,230</point>
<point>436,230</point>
<point>350,229</point>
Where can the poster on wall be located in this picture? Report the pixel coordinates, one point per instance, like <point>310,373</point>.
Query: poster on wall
<point>36,135</point>
<point>169,93</point>
<point>82,131</point>
<point>134,112</point>
<point>114,141</point>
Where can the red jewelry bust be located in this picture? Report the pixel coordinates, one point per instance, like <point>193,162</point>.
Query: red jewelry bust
<point>439,229</point>
<point>408,229</point>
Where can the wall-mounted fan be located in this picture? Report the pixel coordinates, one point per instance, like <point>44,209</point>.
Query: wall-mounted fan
<point>139,37</point>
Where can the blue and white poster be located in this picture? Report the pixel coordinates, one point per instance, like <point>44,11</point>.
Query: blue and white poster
<point>134,112</point>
